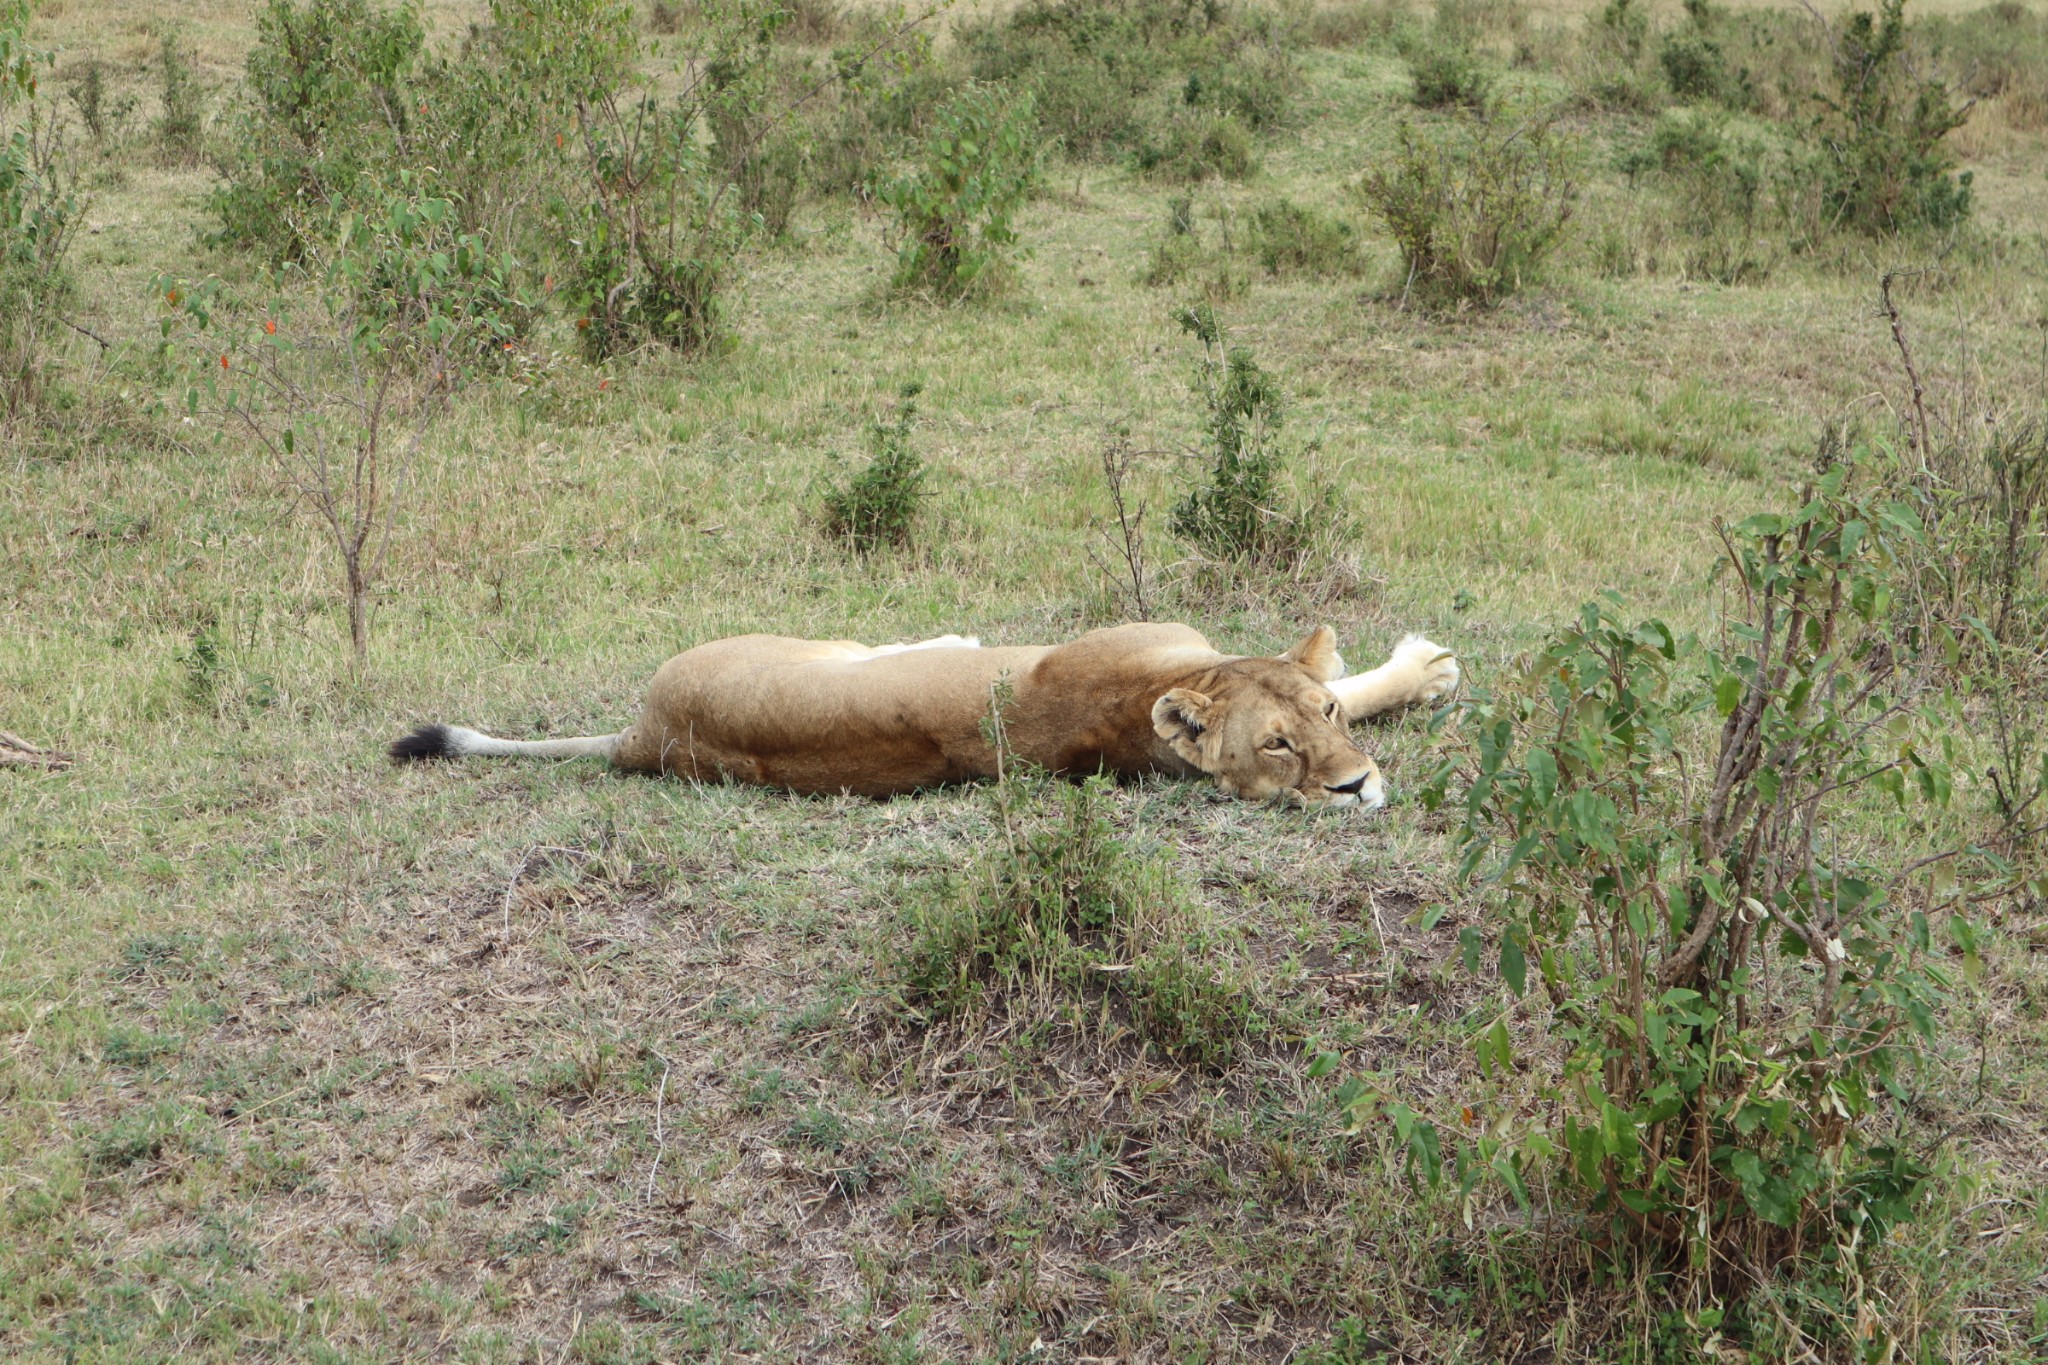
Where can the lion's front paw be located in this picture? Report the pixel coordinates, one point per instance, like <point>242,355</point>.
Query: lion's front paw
<point>1430,665</point>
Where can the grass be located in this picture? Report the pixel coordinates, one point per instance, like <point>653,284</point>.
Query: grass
<point>305,1058</point>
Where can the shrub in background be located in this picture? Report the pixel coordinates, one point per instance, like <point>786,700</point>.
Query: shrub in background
<point>878,506</point>
<point>1195,145</point>
<point>1476,206</point>
<point>1448,75</point>
<point>1293,239</point>
<point>1726,187</point>
<point>954,209</point>
<point>1240,512</point>
<point>1884,164</point>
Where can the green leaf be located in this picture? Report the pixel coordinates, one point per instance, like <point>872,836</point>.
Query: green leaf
<point>1514,966</point>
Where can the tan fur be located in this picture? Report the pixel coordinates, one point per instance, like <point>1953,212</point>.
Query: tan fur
<point>835,716</point>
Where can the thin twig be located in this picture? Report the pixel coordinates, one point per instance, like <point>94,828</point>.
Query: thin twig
<point>660,1139</point>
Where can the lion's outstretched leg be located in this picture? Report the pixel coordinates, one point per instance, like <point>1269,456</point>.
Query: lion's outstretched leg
<point>1418,671</point>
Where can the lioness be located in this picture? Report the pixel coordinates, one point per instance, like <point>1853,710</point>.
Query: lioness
<point>834,716</point>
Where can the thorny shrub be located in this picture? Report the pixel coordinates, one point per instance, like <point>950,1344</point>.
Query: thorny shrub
<point>1885,166</point>
<point>1475,206</point>
<point>1741,982</point>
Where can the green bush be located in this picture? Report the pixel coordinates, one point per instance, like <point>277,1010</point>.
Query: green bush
<point>1194,146</point>
<point>1240,512</point>
<point>1095,68</point>
<point>1291,239</point>
<point>1729,994</point>
<point>1449,75</point>
<point>1474,207</point>
<point>343,95</point>
<point>1884,164</point>
<point>1693,65</point>
<point>978,165</point>
<point>878,506</point>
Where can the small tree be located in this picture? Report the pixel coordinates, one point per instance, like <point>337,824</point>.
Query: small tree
<point>978,165</point>
<point>1886,166</point>
<point>338,367</point>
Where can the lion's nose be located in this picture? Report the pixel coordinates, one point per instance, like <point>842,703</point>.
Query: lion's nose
<point>1351,788</point>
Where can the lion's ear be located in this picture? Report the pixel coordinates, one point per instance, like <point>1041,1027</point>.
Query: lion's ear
<point>1318,654</point>
<point>1179,718</point>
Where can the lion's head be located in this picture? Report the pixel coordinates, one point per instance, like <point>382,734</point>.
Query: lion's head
<point>1268,728</point>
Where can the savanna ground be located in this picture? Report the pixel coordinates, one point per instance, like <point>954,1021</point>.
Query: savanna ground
<point>310,1058</point>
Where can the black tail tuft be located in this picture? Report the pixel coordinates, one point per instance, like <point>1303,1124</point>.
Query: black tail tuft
<point>429,741</point>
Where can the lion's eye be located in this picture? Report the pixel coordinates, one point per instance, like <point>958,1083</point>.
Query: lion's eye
<point>1277,745</point>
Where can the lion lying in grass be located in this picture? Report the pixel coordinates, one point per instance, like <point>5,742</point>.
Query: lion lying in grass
<point>834,716</point>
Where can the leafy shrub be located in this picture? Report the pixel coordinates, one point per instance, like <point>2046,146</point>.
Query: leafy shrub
<point>39,216</point>
<point>1238,513</point>
<point>1292,239</point>
<point>1476,207</point>
<point>653,232</point>
<point>1090,67</point>
<point>1058,896</point>
<point>183,123</point>
<point>1885,166</point>
<point>1448,75</point>
<point>878,506</point>
<point>1693,65</point>
<point>320,76</point>
<point>1196,146</point>
<point>1737,984</point>
<point>1723,185</point>
<point>978,165</point>
<point>344,95</point>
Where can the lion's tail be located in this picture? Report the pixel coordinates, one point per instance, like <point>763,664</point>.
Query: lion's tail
<point>453,741</point>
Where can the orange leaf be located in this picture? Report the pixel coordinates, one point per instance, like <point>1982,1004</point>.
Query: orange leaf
<point>223,362</point>
<point>270,326</point>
